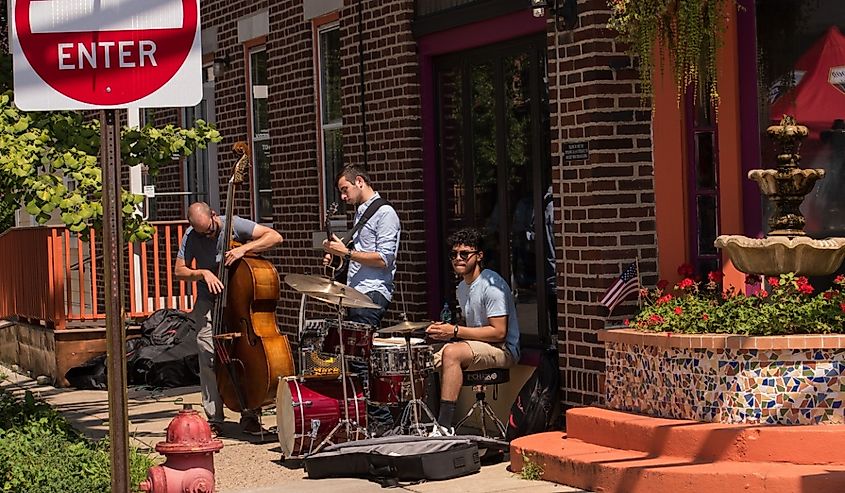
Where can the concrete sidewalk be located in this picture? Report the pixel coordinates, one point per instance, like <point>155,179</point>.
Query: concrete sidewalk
<point>245,464</point>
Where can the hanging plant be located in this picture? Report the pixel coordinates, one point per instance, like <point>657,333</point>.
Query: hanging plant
<point>691,30</point>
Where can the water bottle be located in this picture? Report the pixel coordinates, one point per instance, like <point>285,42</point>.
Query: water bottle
<point>446,314</point>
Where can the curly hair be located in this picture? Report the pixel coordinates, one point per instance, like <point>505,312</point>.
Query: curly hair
<point>470,237</point>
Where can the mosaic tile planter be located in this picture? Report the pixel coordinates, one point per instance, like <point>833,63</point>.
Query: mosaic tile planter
<point>785,380</point>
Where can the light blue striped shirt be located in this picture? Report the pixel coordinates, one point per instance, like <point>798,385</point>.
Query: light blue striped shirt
<point>381,235</point>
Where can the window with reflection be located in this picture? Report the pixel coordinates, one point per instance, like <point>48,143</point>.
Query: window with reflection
<point>703,179</point>
<point>331,121</point>
<point>801,72</point>
<point>260,133</point>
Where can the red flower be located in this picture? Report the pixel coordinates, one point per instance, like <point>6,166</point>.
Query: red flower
<point>805,289</point>
<point>840,279</point>
<point>715,276</point>
<point>686,283</point>
<point>657,319</point>
<point>829,294</point>
<point>664,299</point>
<point>774,281</point>
<point>705,317</point>
<point>627,322</point>
<point>842,306</point>
<point>678,310</point>
<point>686,270</point>
<point>763,294</point>
<point>661,284</point>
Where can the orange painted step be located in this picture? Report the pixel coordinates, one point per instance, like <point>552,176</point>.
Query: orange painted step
<point>603,469</point>
<point>820,444</point>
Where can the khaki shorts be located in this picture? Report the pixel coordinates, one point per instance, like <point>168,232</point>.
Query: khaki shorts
<point>484,356</point>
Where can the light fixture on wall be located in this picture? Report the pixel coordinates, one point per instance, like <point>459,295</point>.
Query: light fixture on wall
<point>219,66</point>
<point>565,10</point>
<point>538,7</point>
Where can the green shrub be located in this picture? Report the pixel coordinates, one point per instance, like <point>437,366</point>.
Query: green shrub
<point>40,452</point>
<point>787,305</point>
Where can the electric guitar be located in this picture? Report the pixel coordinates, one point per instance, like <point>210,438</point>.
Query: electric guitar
<point>337,268</point>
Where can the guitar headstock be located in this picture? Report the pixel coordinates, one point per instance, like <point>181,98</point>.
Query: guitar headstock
<point>331,210</point>
<point>240,166</point>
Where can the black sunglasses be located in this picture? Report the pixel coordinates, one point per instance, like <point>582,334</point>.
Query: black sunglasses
<point>464,254</point>
<point>212,229</point>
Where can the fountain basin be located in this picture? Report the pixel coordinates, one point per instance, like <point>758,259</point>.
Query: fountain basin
<point>775,255</point>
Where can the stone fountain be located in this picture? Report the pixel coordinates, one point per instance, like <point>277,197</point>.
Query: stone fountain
<point>787,248</point>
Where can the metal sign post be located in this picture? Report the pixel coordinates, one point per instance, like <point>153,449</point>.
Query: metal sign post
<point>115,331</point>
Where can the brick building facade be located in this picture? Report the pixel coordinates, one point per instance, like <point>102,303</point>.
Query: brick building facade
<point>603,206</point>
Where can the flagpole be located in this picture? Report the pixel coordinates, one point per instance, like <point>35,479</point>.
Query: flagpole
<point>639,283</point>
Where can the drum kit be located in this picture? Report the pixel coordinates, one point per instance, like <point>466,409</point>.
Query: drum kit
<point>310,406</point>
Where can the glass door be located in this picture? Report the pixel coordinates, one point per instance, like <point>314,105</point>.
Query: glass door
<point>493,162</point>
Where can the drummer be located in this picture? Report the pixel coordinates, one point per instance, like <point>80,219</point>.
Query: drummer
<point>490,338</point>
<point>371,256</point>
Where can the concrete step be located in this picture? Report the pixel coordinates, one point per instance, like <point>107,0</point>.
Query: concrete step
<point>574,462</point>
<point>708,442</point>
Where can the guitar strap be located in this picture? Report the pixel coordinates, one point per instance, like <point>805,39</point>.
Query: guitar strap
<point>371,209</point>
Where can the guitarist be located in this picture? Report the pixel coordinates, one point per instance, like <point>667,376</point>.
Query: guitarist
<point>371,257</point>
<point>201,242</point>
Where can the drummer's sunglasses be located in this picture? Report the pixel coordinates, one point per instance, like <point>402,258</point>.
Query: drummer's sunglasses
<point>464,254</point>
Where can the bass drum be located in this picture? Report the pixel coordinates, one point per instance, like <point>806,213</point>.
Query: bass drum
<point>306,412</point>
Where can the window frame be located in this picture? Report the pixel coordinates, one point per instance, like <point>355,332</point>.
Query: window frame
<point>320,25</point>
<point>249,48</point>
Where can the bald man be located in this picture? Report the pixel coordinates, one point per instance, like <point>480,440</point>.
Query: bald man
<point>202,242</point>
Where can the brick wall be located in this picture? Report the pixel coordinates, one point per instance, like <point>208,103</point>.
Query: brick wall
<point>393,129</point>
<point>393,123</point>
<point>607,214</point>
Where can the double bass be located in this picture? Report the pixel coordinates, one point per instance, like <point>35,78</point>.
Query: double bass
<point>251,353</point>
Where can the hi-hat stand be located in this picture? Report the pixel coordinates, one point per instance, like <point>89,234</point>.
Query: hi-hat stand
<point>410,419</point>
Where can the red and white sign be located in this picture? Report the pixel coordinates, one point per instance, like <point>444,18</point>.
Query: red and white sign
<point>90,54</point>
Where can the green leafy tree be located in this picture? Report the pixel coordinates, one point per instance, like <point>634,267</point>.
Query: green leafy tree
<point>49,162</point>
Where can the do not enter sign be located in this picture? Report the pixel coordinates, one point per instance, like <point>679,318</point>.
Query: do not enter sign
<point>87,54</point>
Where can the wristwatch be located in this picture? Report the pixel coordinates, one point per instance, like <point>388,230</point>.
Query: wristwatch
<point>348,255</point>
<point>455,333</point>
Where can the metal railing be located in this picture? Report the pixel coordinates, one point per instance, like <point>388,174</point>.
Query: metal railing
<point>50,275</point>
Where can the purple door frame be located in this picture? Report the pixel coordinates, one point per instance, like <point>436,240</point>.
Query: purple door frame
<point>749,125</point>
<point>462,38</point>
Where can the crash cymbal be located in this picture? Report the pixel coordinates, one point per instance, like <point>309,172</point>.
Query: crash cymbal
<point>403,327</point>
<point>324,289</point>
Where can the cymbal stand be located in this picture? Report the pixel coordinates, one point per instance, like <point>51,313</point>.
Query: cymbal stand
<point>411,413</point>
<point>345,422</point>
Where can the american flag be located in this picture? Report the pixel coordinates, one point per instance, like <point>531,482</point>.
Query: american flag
<point>627,283</point>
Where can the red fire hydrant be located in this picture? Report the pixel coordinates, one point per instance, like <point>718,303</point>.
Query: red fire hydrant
<point>189,450</point>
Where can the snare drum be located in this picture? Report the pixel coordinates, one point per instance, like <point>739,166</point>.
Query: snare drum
<point>390,357</point>
<point>356,339</point>
<point>306,412</point>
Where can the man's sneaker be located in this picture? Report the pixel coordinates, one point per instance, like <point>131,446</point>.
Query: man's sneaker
<point>251,426</point>
<point>441,431</point>
<point>216,429</point>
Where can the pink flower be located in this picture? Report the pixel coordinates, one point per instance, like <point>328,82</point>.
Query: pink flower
<point>715,276</point>
<point>686,283</point>
<point>664,299</point>
<point>678,310</point>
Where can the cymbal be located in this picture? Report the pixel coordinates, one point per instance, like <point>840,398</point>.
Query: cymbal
<point>403,327</point>
<point>333,292</point>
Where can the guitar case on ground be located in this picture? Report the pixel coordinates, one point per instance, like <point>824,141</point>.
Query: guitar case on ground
<point>391,459</point>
